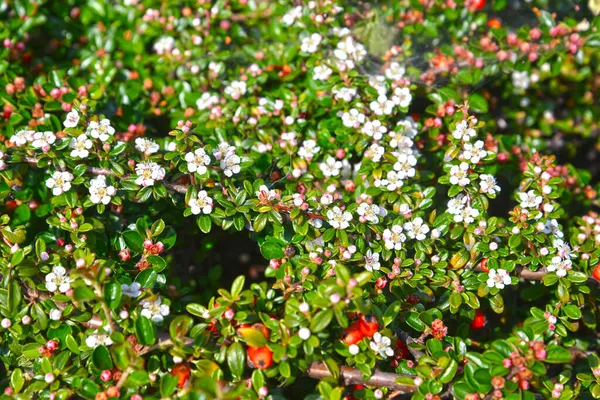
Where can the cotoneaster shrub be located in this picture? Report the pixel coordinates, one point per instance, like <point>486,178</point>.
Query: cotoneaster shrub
<point>418,175</point>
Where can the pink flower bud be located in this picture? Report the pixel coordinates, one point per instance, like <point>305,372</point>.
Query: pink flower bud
<point>263,392</point>
<point>125,254</point>
<point>6,323</point>
<point>52,345</point>
<point>26,320</point>
<point>124,314</point>
<point>49,377</point>
<point>147,244</point>
<point>106,375</point>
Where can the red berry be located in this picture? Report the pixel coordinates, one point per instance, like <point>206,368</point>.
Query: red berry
<point>352,334</point>
<point>479,320</point>
<point>483,265</point>
<point>260,357</point>
<point>478,4</point>
<point>401,350</point>
<point>182,372</point>
<point>369,325</point>
<point>596,273</point>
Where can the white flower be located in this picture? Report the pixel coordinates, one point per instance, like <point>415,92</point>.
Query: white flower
<point>207,100</point>
<point>353,118</point>
<point>59,182</point>
<point>374,129</point>
<point>201,204</point>
<point>99,192</point>
<point>197,161</point>
<point>459,174</point>
<point>375,152</point>
<point>520,79</point>
<point>311,44</point>
<point>291,16</point>
<point>266,195</point>
<point>330,167</point>
<point>344,93</point>
<point>563,248</point>
<point>58,280</point>
<point>372,261</point>
<point>224,149</point>
<point>80,145</point>
<point>231,164</point>
<point>529,199</point>
<point>146,146</point>
<point>321,73</point>
<point>72,119</point>
<point>100,130</point>
<point>382,106</point>
<point>457,204</point>
<point>309,149</point>
<point>369,212</point>
<point>350,50</point>
<point>132,290</point>
<point>488,184</point>
<point>395,71</point>
<point>560,265</point>
<point>416,229</point>
<point>394,238</point>
<point>22,137</point>
<point>498,278</point>
<point>391,182</point>
<point>474,153</point>
<point>339,219</point>
<point>463,132</point>
<point>99,338</point>
<point>155,310</point>
<point>354,349</point>
<point>402,97</point>
<point>304,333</point>
<point>382,345</point>
<point>236,89</point>
<point>405,166</point>
<point>165,44</point>
<point>466,215</point>
<point>55,314</point>
<point>148,172</point>
<point>43,140</point>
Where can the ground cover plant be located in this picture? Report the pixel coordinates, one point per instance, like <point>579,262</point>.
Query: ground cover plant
<point>254,199</point>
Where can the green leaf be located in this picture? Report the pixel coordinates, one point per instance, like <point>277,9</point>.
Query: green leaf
<point>168,383</point>
<point>147,278</point>
<point>321,320</point>
<point>134,241</point>
<point>112,294</point>
<point>204,223</point>
<point>17,380</point>
<point>101,358</point>
<point>478,103</point>
<point>144,330</point>
<point>84,293</point>
<point>236,359</point>
<point>88,389</point>
<point>413,320</point>
<point>253,337</point>
<point>180,326</point>
<point>449,372</point>
<point>271,251</point>
<point>572,311</point>
<point>557,354</point>
<point>237,286</point>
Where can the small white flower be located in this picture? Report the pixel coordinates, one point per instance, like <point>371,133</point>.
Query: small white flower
<point>201,204</point>
<point>99,192</point>
<point>339,219</point>
<point>405,166</point>
<point>55,314</point>
<point>132,290</point>
<point>155,310</point>
<point>457,204</point>
<point>498,279</point>
<point>394,238</point>
<point>231,164</point>
<point>382,106</point>
<point>520,79</point>
<point>224,149</point>
<point>529,199</point>
<point>304,333</point>
<point>402,97</point>
<point>148,172</point>
<point>331,167</point>
<point>463,132</point>
<point>266,195</point>
<point>236,89</point>
<point>22,137</point>
<point>309,149</point>
<point>372,261</point>
<point>291,16</point>
<point>43,140</point>
<point>311,43</point>
<point>488,184</point>
<point>165,44</point>
<point>72,119</point>
<point>459,174</point>
<point>81,146</point>
<point>207,100</point>
<point>392,181</point>
<point>146,146</point>
<point>369,212</point>
<point>560,265</point>
<point>374,129</point>
<point>99,338</point>
<point>59,182</point>
<point>474,152</point>
<point>58,280</point>
<point>197,161</point>
<point>321,73</point>
<point>100,130</point>
<point>344,93</point>
<point>466,215</point>
<point>353,118</point>
<point>552,227</point>
<point>382,345</point>
<point>416,229</point>
<point>374,152</point>
<point>395,71</point>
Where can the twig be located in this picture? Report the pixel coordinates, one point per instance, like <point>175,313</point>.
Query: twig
<point>408,340</point>
<point>352,376</point>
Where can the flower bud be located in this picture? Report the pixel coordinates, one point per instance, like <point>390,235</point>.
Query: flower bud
<point>6,323</point>
<point>49,377</point>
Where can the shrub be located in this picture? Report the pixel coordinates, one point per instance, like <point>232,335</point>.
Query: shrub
<point>418,175</point>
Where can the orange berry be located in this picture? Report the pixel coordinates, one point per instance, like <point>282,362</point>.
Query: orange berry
<point>260,357</point>
<point>369,325</point>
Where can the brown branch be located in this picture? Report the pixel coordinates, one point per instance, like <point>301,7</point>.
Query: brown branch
<point>409,340</point>
<point>353,376</point>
